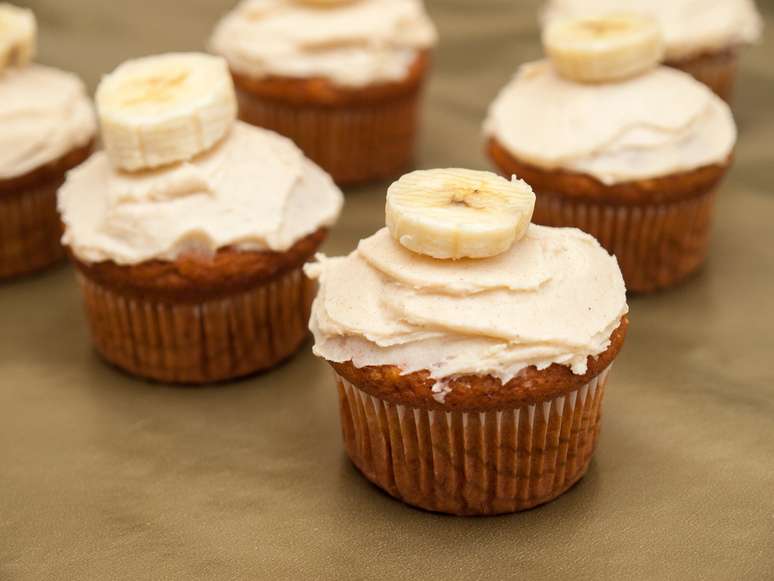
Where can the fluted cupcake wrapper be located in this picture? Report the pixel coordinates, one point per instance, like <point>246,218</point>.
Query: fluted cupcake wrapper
<point>473,463</point>
<point>355,143</point>
<point>657,245</point>
<point>207,341</point>
<point>718,72</point>
<point>30,230</point>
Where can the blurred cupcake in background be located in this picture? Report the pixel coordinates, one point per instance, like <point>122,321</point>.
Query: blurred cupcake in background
<point>341,78</point>
<point>616,145</point>
<point>703,37</point>
<point>47,126</point>
<point>471,350</point>
<point>189,232</point>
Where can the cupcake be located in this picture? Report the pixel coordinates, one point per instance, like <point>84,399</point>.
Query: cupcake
<point>702,37</point>
<point>613,144</point>
<point>341,78</point>
<point>472,356</point>
<point>47,127</point>
<point>190,231</point>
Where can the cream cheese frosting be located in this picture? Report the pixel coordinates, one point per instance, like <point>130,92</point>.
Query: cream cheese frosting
<point>691,27</point>
<point>652,125</point>
<point>44,114</point>
<point>253,191</point>
<point>353,45</point>
<point>555,297</point>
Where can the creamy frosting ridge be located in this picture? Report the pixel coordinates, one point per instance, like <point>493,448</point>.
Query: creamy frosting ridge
<point>652,125</point>
<point>355,44</point>
<point>44,114</point>
<point>254,191</point>
<point>555,297</point>
<point>691,27</point>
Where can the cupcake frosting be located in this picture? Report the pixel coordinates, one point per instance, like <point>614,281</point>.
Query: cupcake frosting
<point>253,191</point>
<point>691,27</point>
<point>355,44</point>
<point>555,297</point>
<point>655,124</point>
<point>44,114</point>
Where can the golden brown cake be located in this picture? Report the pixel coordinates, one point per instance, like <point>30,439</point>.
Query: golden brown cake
<point>191,262</point>
<point>471,386</point>
<point>342,81</point>
<point>47,128</point>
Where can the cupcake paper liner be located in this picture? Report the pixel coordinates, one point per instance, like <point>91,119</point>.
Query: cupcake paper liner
<point>656,245</point>
<point>717,71</point>
<point>473,463</point>
<point>356,143</point>
<point>202,342</point>
<point>30,230</point>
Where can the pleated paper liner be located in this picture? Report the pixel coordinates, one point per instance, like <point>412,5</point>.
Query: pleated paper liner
<point>201,342</point>
<point>657,245</point>
<point>30,230</point>
<point>354,143</point>
<point>473,463</point>
<point>716,70</point>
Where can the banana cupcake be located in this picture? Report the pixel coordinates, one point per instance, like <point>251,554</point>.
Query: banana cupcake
<point>47,127</point>
<point>624,149</point>
<point>472,356</point>
<point>703,37</point>
<point>189,232</point>
<point>341,78</point>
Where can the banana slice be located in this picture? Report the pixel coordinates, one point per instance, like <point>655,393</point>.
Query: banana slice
<point>326,3</point>
<point>458,213</point>
<point>18,36</point>
<point>164,109</point>
<point>608,48</point>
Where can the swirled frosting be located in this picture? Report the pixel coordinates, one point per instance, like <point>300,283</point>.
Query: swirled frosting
<point>555,297</point>
<point>655,124</point>
<point>355,44</point>
<point>254,191</point>
<point>44,114</point>
<point>691,27</point>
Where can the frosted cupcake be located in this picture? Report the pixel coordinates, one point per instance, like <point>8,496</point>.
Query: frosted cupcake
<point>47,126</point>
<point>617,146</point>
<point>472,355</point>
<point>190,231</point>
<point>703,37</point>
<point>341,78</point>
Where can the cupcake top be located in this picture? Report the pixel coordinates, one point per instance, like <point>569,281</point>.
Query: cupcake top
<point>691,27</point>
<point>45,113</point>
<point>351,43</point>
<point>200,181</point>
<point>553,296</point>
<point>605,109</point>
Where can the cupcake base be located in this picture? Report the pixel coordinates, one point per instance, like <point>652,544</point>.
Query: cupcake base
<point>716,70</point>
<point>196,321</point>
<point>30,229</point>
<point>658,229</point>
<point>484,447</point>
<point>473,463</point>
<point>356,135</point>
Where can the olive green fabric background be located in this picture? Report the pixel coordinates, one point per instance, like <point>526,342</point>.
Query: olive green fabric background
<point>106,477</point>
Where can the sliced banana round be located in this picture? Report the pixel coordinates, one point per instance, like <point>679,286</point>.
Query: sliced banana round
<point>326,3</point>
<point>458,213</point>
<point>164,109</point>
<point>606,48</point>
<point>18,36</point>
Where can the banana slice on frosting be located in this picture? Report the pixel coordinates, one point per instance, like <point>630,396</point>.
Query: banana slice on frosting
<point>164,109</point>
<point>458,213</point>
<point>18,36</point>
<point>608,48</point>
